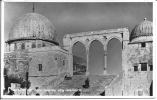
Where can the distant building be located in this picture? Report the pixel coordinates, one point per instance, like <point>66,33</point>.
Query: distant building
<point>79,66</point>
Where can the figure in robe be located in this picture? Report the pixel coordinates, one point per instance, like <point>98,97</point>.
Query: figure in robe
<point>86,83</point>
<point>77,93</point>
<point>67,77</point>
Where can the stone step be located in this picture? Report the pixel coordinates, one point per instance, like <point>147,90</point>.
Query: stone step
<point>97,84</point>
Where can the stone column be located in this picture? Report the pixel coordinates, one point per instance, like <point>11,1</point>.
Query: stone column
<point>105,62</point>
<point>71,62</point>
<point>87,58</point>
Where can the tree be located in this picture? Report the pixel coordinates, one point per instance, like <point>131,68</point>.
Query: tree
<point>15,79</point>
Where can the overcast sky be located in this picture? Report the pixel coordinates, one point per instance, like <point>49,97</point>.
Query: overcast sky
<point>69,18</point>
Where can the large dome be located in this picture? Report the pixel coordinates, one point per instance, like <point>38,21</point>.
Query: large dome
<point>32,26</point>
<point>144,29</point>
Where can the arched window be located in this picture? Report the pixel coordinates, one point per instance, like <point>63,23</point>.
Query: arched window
<point>33,45</point>
<point>23,46</point>
<point>15,46</point>
<point>43,44</point>
<point>40,67</point>
<point>63,62</point>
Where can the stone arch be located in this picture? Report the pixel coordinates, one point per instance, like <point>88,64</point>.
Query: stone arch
<point>77,66</point>
<point>42,81</point>
<point>93,39</point>
<point>113,37</point>
<point>96,57</point>
<point>76,41</point>
<point>110,50</point>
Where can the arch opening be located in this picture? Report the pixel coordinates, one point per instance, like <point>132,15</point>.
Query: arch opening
<point>79,58</point>
<point>96,59</point>
<point>114,56</point>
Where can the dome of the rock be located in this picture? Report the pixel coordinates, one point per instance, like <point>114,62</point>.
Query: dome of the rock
<point>32,26</point>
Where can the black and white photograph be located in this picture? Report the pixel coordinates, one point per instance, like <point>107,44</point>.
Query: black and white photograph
<point>77,49</point>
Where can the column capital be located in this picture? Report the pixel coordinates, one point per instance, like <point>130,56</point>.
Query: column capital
<point>87,51</point>
<point>105,53</point>
<point>105,46</point>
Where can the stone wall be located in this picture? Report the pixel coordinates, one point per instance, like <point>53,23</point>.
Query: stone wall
<point>53,61</point>
<point>131,82</point>
<point>115,88</point>
<point>138,82</point>
<point>16,63</point>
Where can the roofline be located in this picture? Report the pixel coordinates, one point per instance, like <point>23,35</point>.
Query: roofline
<point>98,32</point>
<point>21,39</point>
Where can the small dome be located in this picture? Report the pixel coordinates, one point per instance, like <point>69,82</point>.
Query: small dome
<point>145,28</point>
<point>32,26</point>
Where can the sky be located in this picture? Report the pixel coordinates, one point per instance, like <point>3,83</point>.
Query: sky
<point>69,18</point>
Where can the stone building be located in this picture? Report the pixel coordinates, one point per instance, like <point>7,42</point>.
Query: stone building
<point>136,78</point>
<point>139,53</point>
<point>32,48</point>
<point>79,66</point>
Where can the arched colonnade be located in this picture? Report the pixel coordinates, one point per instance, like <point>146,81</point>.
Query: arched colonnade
<point>86,38</point>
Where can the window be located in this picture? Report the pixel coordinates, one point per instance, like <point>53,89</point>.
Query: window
<point>135,68</point>
<point>143,45</point>
<point>144,67</point>
<point>63,62</point>
<point>40,67</point>
<point>23,46</point>
<point>33,45</point>
<point>43,44</point>
<point>151,67</point>
<point>15,46</point>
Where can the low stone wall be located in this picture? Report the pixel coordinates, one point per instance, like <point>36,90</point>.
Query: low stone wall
<point>115,87</point>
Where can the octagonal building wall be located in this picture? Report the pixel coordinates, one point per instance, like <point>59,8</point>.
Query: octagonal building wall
<point>48,63</point>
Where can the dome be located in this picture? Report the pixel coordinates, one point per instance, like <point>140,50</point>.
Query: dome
<point>32,26</point>
<point>142,30</point>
